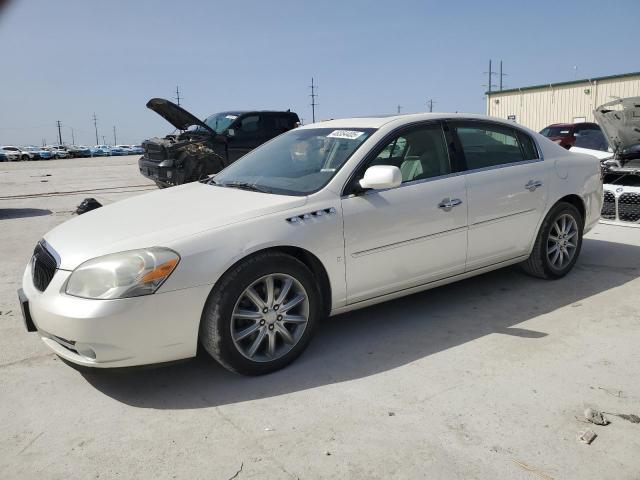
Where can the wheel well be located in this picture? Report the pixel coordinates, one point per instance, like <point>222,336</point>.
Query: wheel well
<point>312,263</point>
<point>577,202</point>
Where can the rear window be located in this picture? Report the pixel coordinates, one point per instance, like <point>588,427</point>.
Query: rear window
<point>556,131</point>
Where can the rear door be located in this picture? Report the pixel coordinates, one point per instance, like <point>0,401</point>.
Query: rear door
<point>507,190</point>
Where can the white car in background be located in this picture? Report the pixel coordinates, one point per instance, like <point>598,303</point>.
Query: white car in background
<point>620,123</point>
<point>323,219</point>
<point>15,154</point>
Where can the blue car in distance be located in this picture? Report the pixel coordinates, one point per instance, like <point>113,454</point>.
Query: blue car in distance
<point>100,151</point>
<point>118,151</point>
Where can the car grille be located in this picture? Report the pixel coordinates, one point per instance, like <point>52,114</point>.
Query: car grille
<point>43,267</point>
<point>155,152</point>
<point>629,207</point>
<point>609,206</point>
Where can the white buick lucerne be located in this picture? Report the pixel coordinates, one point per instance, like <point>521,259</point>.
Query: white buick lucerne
<point>323,219</point>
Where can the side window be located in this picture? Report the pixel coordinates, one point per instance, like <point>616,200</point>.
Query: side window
<point>249,125</point>
<point>528,147</point>
<point>420,153</point>
<point>490,145</point>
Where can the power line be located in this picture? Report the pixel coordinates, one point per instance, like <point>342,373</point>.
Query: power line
<point>313,101</point>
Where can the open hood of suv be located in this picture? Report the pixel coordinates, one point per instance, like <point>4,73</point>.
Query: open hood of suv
<point>176,115</point>
<point>620,122</point>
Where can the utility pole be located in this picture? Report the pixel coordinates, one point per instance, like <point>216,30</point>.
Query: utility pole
<point>490,85</point>
<point>104,142</point>
<point>115,139</point>
<point>73,137</point>
<point>178,94</point>
<point>502,75</point>
<point>399,109</point>
<point>59,134</point>
<point>430,103</point>
<point>313,101</point>
<point>95,124</point>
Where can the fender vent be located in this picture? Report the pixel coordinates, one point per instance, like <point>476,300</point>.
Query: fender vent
<point>311,215</point>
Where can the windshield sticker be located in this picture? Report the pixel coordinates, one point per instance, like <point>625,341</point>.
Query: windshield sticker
<point>231,117</point>
<point>348,134</point>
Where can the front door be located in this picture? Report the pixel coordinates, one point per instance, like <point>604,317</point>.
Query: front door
<point>248,133</point>
<point>409,235</point>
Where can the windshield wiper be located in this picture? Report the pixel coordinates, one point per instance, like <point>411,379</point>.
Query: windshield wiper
<point>245,186</point>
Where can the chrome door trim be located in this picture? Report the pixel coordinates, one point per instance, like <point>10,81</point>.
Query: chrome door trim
<point>403,243</point>
<point>502,217</point>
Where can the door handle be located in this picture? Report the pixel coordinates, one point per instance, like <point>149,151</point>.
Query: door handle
<point>532,185</point>
<point>448,203</point>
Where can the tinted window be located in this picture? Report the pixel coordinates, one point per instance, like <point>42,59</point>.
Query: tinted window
<point>250,124</point>
<point>420,153</point>
<point>592,139</point>
<point>489,145</point>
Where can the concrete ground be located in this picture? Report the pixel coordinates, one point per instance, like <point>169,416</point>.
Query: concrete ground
<point>480,379</point>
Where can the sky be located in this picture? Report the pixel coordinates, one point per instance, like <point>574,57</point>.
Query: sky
<point>66,59</point>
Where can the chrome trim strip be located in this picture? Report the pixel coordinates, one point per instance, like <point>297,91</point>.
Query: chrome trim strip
<point>504,165</point>
<point>406,242</point>
<point>502,217</point>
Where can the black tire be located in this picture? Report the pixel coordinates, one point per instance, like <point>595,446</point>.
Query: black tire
<point>538,264</point>
<point>215,325</point>
<point>162,185</point>
<point>24,158</point>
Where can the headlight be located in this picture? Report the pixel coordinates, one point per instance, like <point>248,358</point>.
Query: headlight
<point>124,274</point>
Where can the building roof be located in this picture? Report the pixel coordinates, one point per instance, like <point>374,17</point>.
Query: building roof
<point>559,84</point>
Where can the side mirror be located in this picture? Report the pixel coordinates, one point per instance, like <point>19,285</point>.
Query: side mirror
<point>380,177</point>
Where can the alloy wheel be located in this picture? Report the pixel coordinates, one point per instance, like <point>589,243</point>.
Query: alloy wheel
<point>270,317</point>
<point>562,242</point>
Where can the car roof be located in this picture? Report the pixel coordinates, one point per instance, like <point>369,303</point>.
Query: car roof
<point>398,120</point>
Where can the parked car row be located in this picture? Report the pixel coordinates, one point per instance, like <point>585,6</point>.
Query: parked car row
<point>10,153</point>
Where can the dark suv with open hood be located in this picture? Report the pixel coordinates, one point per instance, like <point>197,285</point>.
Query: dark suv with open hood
<point>203,148</point>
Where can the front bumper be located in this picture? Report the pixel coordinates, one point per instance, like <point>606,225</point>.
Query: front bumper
<point>164,172</point>
<point>157,328</point>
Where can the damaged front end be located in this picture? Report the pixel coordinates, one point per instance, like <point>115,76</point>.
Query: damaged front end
<point>620,122</point>
<point>185,157</point>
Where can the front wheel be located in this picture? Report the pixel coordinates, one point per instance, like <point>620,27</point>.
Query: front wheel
<point>558,243</point>
<point>261,315</point>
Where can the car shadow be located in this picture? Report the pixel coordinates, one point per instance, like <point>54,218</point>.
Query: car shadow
<point>386,336</point>
<point>10,213</point>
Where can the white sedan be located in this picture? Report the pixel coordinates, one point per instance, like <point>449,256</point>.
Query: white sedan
<point>323,219</point>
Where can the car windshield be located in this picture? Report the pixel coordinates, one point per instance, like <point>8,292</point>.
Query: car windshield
<point>298,162</point>
<point>555,131</point>
<point>219,122</point>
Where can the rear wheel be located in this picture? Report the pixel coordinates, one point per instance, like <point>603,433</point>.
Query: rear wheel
<point>558,243</point>
<point>261,315</point>
<point>25,158</point>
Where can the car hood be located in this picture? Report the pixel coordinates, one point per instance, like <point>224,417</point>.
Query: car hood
<point>620,122</point>
<point>176,115</point>
<point>159,218</point>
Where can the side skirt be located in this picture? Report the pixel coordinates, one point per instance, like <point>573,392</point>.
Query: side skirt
<point>426,286</point>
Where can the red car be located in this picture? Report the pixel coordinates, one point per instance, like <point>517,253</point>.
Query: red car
<point>564,134</point>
